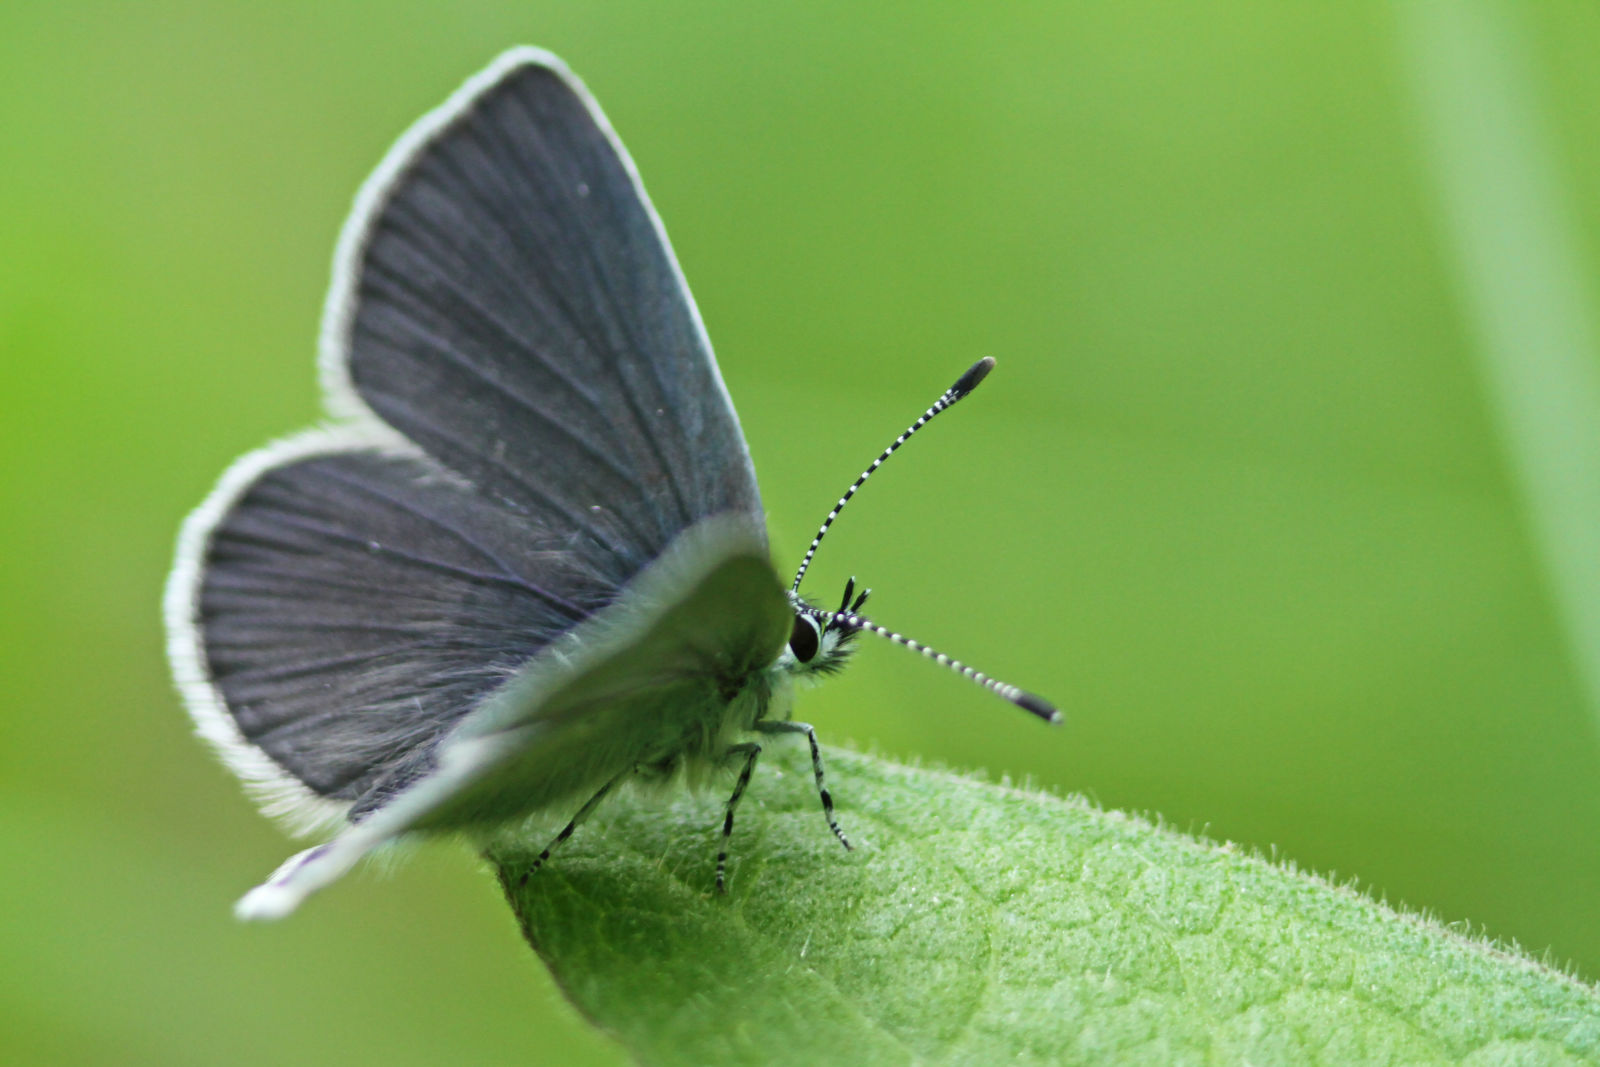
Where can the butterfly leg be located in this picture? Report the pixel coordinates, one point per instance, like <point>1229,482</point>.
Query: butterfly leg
<point>750,750</point>
<point>785,726</point>
<point>566,832</point>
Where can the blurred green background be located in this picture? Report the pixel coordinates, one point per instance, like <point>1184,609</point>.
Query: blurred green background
<point>1283,487</point>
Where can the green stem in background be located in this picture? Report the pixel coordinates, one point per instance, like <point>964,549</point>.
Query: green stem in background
<point>983,924</point>
<point>1511,230</point>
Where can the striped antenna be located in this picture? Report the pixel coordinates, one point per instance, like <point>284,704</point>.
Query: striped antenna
<point>1020,697</point>
<point>964,385</point>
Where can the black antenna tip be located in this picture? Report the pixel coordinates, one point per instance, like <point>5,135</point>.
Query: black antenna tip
<point>975,374</point>
<point>1038,705</point>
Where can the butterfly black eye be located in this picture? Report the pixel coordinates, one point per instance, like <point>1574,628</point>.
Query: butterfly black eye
<point>804,640</point>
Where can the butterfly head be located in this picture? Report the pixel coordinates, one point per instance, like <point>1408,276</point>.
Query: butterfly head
<point>823,640</point>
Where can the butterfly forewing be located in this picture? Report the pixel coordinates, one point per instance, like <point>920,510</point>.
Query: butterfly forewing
<point>507,300</point>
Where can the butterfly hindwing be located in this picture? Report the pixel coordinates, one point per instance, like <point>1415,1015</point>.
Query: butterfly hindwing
<point>661,675</point>
<point>353,603</point>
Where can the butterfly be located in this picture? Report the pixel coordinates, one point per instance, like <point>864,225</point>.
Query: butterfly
<point>526,559</point>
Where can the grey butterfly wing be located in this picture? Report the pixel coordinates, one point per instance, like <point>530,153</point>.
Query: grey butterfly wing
<point>340,605</point>
<point>685,655</point>
<point>506,298</point>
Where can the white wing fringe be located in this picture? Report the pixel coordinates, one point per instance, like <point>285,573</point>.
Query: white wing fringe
<point>303,874</point>
<point>461,762</point>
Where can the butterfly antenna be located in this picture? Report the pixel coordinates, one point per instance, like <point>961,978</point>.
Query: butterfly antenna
<point>1023,699</point>
<point>964,385</point>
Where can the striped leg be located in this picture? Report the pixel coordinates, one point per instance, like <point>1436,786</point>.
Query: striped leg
<point>768,726</point>
<point>750,750</point>
<point>583,813</point>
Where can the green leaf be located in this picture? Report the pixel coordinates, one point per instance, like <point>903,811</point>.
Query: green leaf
<point>977,923</point>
